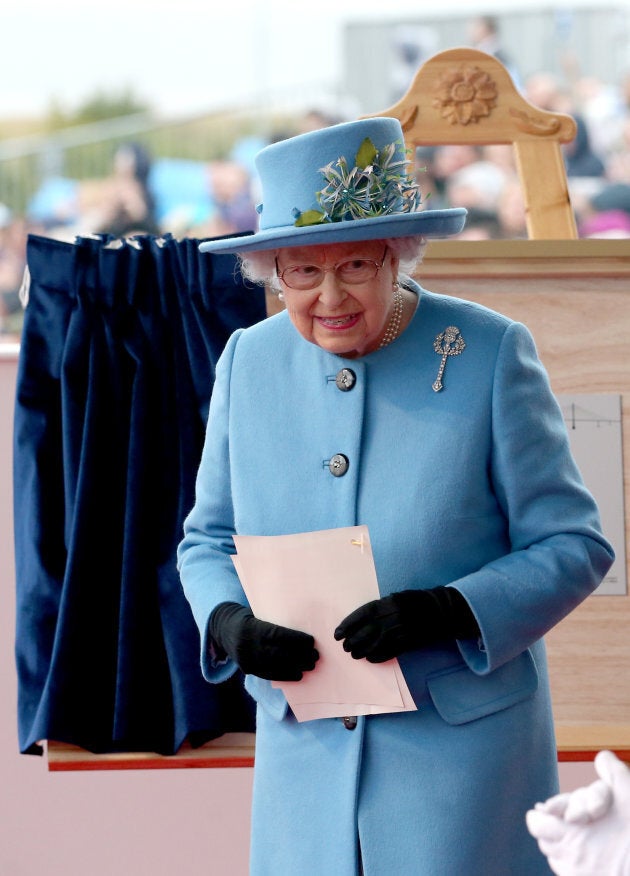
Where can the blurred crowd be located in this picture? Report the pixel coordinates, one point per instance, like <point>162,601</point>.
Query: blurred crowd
<point>597,164</point>
<point>208,199</point>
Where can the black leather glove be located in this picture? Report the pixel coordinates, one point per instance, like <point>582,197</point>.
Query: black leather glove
<point>405,621</point>
<point>259,647</point>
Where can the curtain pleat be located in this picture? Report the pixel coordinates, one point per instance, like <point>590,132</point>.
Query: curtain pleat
<point>117,362</point>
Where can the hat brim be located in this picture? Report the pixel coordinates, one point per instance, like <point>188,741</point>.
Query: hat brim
<point>429,223</point>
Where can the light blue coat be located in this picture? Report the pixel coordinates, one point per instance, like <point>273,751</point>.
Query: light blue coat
<point>472,486</point>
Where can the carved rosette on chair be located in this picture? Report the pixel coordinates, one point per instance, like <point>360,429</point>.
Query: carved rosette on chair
<point>465,94</point>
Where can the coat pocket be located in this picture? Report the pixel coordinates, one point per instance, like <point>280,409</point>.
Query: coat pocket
<point>461,696</point>
<point>272,700</point>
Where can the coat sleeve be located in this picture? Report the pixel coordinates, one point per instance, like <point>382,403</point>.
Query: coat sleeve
<point>558,554</point>
<point>204,555</point>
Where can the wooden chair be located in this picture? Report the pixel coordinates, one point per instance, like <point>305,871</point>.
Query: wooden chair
<point>465,96</point>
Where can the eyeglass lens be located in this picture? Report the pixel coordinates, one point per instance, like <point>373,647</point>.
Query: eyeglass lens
<point>353,271</point>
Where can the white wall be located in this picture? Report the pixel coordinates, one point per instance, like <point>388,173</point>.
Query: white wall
<point>133,823</point>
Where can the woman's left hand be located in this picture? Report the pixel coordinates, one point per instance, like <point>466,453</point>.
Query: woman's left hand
<point>404,621</point>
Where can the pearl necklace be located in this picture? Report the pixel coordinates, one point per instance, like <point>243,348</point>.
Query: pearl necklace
<point>393,326</point>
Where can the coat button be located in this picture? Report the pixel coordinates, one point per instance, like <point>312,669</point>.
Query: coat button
<point>345,379</point>
<point>350,722</point>
<point>338,465</point>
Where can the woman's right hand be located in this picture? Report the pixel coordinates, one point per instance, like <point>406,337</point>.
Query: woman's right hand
<point>261,648</point>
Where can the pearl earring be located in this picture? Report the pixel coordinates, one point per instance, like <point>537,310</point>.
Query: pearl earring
<point>280,296</point>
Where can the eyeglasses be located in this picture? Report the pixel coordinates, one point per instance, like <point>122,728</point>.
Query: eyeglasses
<point>352,271</point>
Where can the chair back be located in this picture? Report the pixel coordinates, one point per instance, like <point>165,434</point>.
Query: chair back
<point>463,95</point>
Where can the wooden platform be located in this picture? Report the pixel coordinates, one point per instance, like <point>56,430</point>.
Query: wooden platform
<point>230,750</point>
<point>575,743</point>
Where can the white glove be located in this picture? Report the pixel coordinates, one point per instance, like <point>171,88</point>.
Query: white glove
<point>587,832</point>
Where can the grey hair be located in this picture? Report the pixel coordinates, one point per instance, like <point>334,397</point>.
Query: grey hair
<point>260,266</point>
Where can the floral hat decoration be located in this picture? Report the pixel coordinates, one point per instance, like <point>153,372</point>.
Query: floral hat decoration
<point>347,182</point>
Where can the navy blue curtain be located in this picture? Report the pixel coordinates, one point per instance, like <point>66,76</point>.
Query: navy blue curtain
<point>116,369</point>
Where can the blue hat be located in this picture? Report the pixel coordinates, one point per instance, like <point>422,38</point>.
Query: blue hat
<point>346,182</point>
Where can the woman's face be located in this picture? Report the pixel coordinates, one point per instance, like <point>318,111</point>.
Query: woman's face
<point>341,317</point>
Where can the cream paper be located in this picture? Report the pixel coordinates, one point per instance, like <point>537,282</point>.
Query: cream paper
<point>310,581</point>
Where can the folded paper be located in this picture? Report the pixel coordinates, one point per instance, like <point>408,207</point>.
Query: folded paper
<point>310,581</point>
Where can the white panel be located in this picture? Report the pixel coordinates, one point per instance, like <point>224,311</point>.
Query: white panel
<point>594,426</point>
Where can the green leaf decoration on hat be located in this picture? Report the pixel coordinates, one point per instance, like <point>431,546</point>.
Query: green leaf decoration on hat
<point>309,217</point>
<point>378,184</point>
<point>366,154</point>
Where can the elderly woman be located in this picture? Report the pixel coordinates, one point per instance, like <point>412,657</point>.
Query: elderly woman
<point>370,400</point>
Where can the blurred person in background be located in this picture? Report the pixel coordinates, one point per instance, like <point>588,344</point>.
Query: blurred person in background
<point>231,192</point>
<point>483,34</point>
<point>480,225</point>
<point>543,90</point>
<point>316,118</point>
<point>477,186</point>
<point>13,234</point>
<point>601,106</point>
<point>579,156</point>
<point>411,46</point>
<point>126,205</point>
<point>511,211</point>
<point>607,212</point>
<point>445,162</point>
<point>618,157</point>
